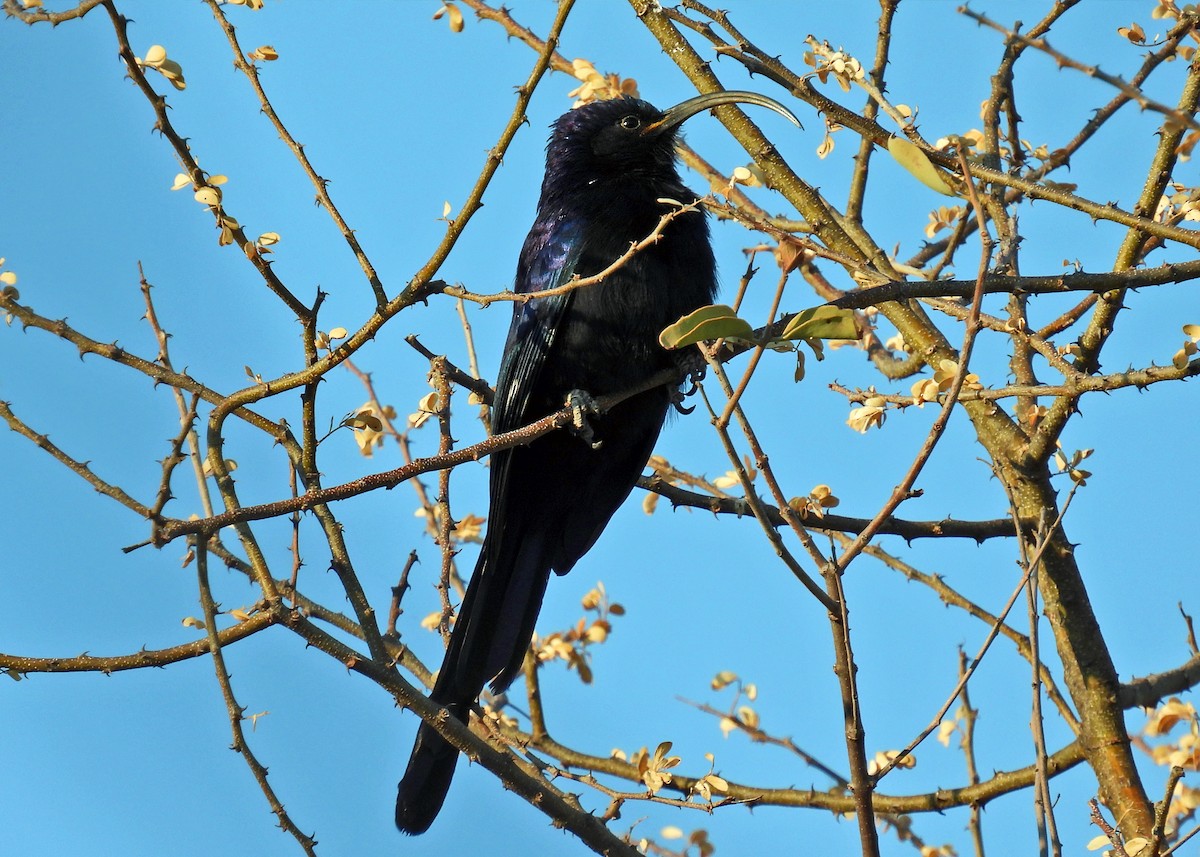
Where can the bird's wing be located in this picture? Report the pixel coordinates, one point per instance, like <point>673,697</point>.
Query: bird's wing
<point>548,260</point>
<point>503,585</point>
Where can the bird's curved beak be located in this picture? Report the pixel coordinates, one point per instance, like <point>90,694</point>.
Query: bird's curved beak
<point>676,115</point>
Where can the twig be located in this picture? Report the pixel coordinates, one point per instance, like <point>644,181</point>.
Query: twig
<point>755,355</point>
<point>1171,273</point>
<point>398,591</point>
<point>1181,841</point>
<point>1001,782</point>
<point>533,697</point>
<point>1133,93</point>
<point>471,382</point>
<point>1162,810</point>
<point>563,809</point>
<point>1044,804</point>
<point>1191,630</point>
<point>444,520</point>
<point>187,412</point>
<point>723,505</point>
<point>174,458</point>
<point>752,498</point>
<point>903,491</point>
<point>1074,388</point>
<point>380,412</point>
<point>22,664</point>
<point>1129,255</point>
<point>36,15</point>
<point>173,528</point>
<point>969,716</point>
<point>862,161</point>
<point>983,649</point>
<point>472,358</point>
<point>546,53</point>
<point>184,153</point>
<point>80,468</point>
<point>761,736</point>
<point>954,598</point>
<point>149,368</point>
<point>295,519</point>
<point>250,70</point>
<point>236,712</point>
<point>577,282</point>
<point>1114,835</point>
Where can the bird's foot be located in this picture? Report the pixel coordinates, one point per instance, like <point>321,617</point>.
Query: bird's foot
<point>582,406</point>
<point>692,367</point>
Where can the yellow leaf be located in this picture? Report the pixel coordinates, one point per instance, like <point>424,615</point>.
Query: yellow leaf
<point>208,196</point>
<point>710,322</point>
<point>363,420</point>
<point>454,16</point>
<point>432,620</point>
<point>429,403</point>
<point>910,156</point>
<point>750,177</point>
<point>1137,35</point>
<point>822,322</point>
<point>723,679</point>
<point>173,72</point>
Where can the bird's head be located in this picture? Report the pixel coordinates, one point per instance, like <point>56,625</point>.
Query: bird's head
<point>628,136</point>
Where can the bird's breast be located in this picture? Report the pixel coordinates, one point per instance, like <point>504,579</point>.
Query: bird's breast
<point>609,339</point>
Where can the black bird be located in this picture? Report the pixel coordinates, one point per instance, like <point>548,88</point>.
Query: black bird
<point>609,165</point>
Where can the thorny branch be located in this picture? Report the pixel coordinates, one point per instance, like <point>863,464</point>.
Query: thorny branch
<point>1018,447</point>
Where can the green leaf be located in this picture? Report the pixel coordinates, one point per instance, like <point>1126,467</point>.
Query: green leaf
<point>822,322</point>
<point>709,322</point>
<point>910,156</point>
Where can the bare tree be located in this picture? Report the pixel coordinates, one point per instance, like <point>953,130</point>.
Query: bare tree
<point>1011,381</point>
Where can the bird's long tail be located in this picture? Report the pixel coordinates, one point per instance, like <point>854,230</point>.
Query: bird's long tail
<point>488,643</point>
<point>426,781</point>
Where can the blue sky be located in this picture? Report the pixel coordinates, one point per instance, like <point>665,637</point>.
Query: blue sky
<point>398,113</point>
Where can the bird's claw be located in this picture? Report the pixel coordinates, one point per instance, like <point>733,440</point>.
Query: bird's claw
<point>677,397</point>
<point>692,367</point>
<point>582,406</point>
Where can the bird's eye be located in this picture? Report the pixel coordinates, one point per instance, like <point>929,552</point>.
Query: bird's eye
<point>630,123</point>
